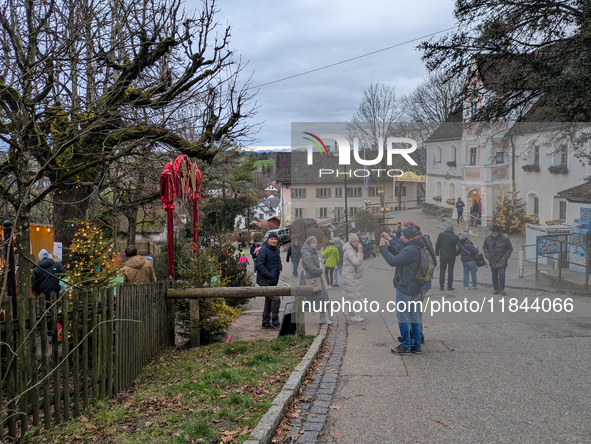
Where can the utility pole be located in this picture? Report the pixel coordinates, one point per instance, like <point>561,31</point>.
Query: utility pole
<point>346,209</point>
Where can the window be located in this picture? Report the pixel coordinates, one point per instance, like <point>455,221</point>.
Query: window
<point>452,153</point>
<point>352,211</point>
<point>537,155</point>
<point>299,212</point>
<point>536,206</point>
<point>322,193</point>
<point>323,212</point>
<point>562,210</point>
<point>402,192</point>
<point>298,193</point>
<point>438,155</point>
<point>500,157</point>
<point>338,192</point>
<point>373,191</point>
<point>338,212</point>
<point>563,155</point>
<point>473,156</point>
<point>473,109</point>
<point>354,192</point>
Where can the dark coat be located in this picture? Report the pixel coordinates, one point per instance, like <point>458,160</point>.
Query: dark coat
<point>44,283</point>
<point>312,269</point>
<point>340,248</point>
<point>295,252</point>
<point>407,265</point>
<point>252,248</point>
<point>268,266</point>
<point>468,251</point>
<point>460,206</point>
<point>448,245</point>
<point>497,253</point>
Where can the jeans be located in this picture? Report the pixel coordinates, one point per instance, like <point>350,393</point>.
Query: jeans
<point>271,310</point>
<point>498,278</point>
<point>460,215</point>
<point>339,270</point>
<point>473,220</point>
<point>295,263</point>
<point>470,267</point>
<point>449,265</point>
<point>409,316</point>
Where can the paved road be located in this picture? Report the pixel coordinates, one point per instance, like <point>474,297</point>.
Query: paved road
<point>483,377</point>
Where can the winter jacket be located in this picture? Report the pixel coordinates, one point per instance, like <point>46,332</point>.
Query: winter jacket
<point>312,269</point>
<point>268,265</point>
<point>352,280</point>
<point>468,251</point>
<point>497,251</point>
<point>339,247</point>
<point>138,270</point>
<point>460,206</point>
<point>407,265</point>
<point>448,245</point>
<point>252,253</point>
<point>475,207</point>
<point>44,283</point>
<point>332,256</point>
<point>295,252</point>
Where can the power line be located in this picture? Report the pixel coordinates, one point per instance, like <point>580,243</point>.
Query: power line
<point>354,58</point>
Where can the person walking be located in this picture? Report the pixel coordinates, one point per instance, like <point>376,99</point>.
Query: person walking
<point>44,279</point>
<point>447,247</point>
<point>352,282</point>
<point>332,259</point>
<point>339,270</point>
<point>268,266</point>
<point>474,213</point>
<point>137,269</point>
<point>469,252</point>
<point>254,249</point>
<point>313,270</point>
<point>460,207</point>
<point>407,286</point>
<point>497,250</point>
<point>295,253</point>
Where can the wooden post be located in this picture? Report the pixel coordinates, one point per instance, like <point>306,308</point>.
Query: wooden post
<point>299,316</point>
<point>194,309</point>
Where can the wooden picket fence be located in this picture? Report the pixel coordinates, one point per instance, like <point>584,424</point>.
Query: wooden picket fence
<point>87,346</point>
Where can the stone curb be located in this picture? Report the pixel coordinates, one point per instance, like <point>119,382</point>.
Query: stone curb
<point>267,426</point>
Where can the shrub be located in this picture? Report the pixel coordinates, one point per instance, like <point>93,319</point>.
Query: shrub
<point>558,169</point>
<point>365,221</point>
<point>319,235</point>
<point>299,227</point>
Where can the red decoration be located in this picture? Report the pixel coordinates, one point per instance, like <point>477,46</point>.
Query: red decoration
<point>168,181</point>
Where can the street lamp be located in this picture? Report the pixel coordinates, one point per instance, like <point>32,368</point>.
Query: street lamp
<point>367,203</point>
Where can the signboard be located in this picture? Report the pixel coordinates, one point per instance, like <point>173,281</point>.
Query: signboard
<point>409,176</point>
<point>548,245</point>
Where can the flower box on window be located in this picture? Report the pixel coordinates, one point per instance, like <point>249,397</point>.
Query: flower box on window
<point>437,198</point>
<point>531,168</point>
<point>558,169</point>
<point>450,201</point>
<point>451,163</point>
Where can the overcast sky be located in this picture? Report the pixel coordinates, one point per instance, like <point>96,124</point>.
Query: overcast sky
<point>280,39</point>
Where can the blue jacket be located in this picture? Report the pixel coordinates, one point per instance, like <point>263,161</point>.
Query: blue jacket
<point>268,266</point>
<point>468,252</point>
<point>407,263</point>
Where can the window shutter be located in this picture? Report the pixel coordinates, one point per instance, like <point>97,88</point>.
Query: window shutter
<point>358,191</point>
<point>316,212</point>
<point>329,192</point>
<point>304,213</point>
<point>303,193</point>
<point>317,193</point>
<point>292,192</point>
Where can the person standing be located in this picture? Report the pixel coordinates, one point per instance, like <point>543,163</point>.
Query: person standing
<point>469,252</point>
<point>137,269</point>
<point>268,266</point>
<point>295,253</point>
<point>332,259</point>
<point>407,263</point>
<point>44,279</point>
<point>352,282</point>
<point>460,207</point>
<point>254,249</point>
<point>339,270</point>
<point>497,250</point>
<point>479,212</point>
<point>313,270</point>
<point>447,247</point>
<point>474,213</point>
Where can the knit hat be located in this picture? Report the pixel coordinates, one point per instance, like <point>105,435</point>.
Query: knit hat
<point>43,254</point>
<point>409,232</point>
<point>410,222</point>
<point>353,238</point>
<point>337,240</point>
<point>464,235</point>
<point>311,239</point>
<point>331,242</point>
<point>242,253</point>
<point>494,229</point>
<point>272,234</point>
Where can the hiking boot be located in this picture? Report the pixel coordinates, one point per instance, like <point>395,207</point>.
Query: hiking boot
<point>266,326</point>
<point>503,292</point>
<point>496,292</point>
<point>417,351</point>
<point>400,350</point>
<point>422,339</point>
<point>441,288</point>
<point>450,289</point>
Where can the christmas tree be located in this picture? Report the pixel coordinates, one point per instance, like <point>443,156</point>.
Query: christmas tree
<point>510,213</point>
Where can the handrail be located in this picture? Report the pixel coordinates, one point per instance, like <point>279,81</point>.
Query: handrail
<point>477,218</point>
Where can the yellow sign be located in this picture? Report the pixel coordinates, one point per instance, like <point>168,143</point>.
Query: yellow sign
<point>409,176</point>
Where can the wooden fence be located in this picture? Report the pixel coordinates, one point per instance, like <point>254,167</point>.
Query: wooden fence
<point>85,346</point>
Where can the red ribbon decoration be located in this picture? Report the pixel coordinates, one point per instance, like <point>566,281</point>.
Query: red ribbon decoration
<point>167,193</point>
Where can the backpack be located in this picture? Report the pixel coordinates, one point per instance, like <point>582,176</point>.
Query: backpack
<point>426,265</point>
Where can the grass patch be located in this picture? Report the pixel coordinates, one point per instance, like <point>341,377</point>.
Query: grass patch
<point>259,163</point>
<point>211,394</point>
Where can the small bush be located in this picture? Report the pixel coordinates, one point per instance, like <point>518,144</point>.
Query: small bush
<point>319,235</point>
